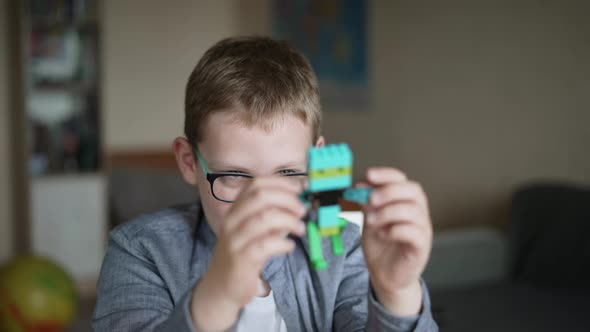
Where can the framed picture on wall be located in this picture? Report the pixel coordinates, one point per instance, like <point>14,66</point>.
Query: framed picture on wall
<point>333,36</point>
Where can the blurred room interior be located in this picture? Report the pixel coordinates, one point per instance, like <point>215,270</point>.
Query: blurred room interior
<point>485,103</point>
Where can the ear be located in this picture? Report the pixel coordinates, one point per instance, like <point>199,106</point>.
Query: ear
<point>320,142</point>
<point>185,159</point>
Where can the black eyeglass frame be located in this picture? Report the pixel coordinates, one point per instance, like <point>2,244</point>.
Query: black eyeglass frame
<point>211,177</point>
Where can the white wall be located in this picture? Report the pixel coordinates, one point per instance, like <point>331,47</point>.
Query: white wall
<point>472,98</point>
<point>149,50</point>
<point>5,139</point>
<point>469,98</point>
<point>475,99</point>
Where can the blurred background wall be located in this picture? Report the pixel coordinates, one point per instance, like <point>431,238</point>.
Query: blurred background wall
<point>149,49</point>
<point>6,220</point>
<point>472,98</point>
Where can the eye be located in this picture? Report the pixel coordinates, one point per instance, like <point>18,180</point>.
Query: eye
<point>287,171</point>
<point>236,172</point>
<point>236,176</point>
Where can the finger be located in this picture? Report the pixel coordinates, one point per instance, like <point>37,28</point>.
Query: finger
<point>260,200</point>
<point>378,176</point>
<point>261,251</point>
<point>269,222</point>
<point>263,184</point>
<point>279,182</point>
<point>405,191</point>
<point>407,234</point>
<point>361,184</point>
<point>394,213</point>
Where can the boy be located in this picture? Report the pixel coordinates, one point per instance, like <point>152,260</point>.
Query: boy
<point>251,112</point>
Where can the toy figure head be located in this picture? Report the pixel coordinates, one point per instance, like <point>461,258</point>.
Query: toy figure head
<point>330,168</point>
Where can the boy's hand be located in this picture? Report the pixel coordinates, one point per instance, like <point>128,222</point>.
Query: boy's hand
<point>253,231</point>
<point>397,239</point>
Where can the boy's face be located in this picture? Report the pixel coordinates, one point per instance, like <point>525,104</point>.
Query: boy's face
<point>230,146</point>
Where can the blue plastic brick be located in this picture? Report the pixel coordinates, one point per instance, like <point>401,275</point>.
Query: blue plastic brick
<point>357,195</point>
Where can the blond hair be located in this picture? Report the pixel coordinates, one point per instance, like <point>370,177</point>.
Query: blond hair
<point>265,79</point>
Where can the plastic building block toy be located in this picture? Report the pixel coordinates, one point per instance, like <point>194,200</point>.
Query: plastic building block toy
<point>330,178</point>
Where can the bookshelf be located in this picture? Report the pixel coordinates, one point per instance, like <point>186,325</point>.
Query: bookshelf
<point>57,133</point>
<point>61,61</point>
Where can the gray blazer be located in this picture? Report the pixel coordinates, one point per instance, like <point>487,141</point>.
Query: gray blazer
<point>153,262</point>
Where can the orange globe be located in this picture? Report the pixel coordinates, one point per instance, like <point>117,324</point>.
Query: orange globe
<point>36,294</point>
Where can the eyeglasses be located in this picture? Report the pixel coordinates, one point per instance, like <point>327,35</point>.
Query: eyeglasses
<point>226,186</point>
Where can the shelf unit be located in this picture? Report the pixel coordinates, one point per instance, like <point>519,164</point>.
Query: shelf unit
<point>59,185</point>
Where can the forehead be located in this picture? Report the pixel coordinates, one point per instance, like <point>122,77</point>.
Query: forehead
<point>277,141</point>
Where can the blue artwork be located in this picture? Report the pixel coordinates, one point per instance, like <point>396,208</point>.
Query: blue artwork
<point>332,34</point>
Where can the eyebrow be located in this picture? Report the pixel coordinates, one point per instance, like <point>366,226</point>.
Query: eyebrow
<point>293,166</point>
<point>220,167</point>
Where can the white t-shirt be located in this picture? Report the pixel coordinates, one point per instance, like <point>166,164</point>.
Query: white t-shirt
<point>262,315</point>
